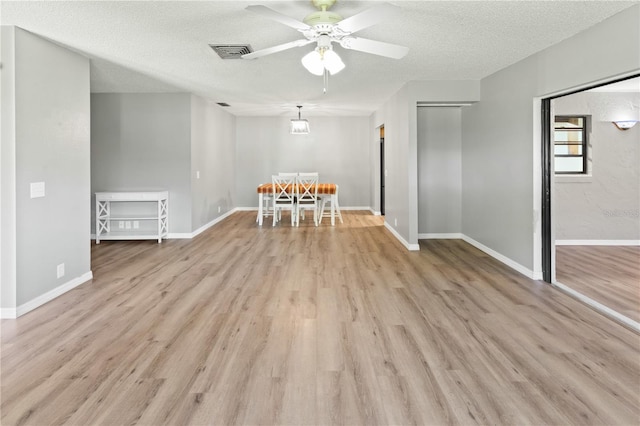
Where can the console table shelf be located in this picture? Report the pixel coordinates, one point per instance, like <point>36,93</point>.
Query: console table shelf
<point>124,224</point>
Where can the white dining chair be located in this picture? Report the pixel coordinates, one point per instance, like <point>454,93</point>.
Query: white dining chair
<point>326,199</point>
<point>310,174</point>
<point>267,205</point>
<point>284,194</point>
<point>307,196</point>
<point>286,174</point>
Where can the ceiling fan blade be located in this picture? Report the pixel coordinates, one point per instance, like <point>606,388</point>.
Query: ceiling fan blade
<point>275,49</point>
<point>279,17</point>
<point>367,18</point>
<point>375,47</point>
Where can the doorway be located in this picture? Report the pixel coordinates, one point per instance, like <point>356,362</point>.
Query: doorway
<point>589,213</point>
<point>383,171</point>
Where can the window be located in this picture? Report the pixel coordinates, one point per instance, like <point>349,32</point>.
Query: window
<point>570,144</point>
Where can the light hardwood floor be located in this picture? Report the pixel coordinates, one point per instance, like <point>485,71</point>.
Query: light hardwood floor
<point>327,325</point>
<point>607,274</point>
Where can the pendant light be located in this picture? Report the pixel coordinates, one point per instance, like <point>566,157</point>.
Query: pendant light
<point>299,126</point>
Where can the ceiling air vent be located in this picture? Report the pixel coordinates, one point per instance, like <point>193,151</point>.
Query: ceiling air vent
<point>231,51</point>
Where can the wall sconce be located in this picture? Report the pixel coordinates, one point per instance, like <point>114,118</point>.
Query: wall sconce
<point>625,124</point>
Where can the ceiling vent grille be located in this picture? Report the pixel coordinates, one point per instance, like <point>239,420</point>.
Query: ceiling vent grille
<point>231,51</point>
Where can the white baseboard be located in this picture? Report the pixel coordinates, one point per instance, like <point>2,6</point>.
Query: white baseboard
<point>410,247</point>
<point>8,313</point>
<point>599,307</point>
<point>445,236</point>
<point>204,227</point>
<point>354,208</point>
<point>374,212</point>
<point>598,242</point>
<point>178,236</point>
<point>50,295</point>
<point>246,209</point>
<point>504,259</point>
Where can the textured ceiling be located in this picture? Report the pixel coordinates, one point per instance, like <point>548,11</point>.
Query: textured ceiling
<point>148,46</point>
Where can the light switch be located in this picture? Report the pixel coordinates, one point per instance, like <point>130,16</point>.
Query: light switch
<point>37,189</point>
<point>60,270</point>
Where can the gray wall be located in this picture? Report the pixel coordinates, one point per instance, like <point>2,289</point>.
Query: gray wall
<point>142,141</point>
<point>498,139</point>
<point>52,104</point>
<point>394,115</point>
<point>439,170</point>
<point>497,164</point>
<point>213,156</point>
<point>605,205</point>
<point>7,172</point>
<point>337,148</point>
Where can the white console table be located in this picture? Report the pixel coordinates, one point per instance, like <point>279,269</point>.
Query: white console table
<point>127,215</point>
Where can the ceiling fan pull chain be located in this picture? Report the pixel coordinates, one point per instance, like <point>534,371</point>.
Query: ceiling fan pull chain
<point>326,81</point>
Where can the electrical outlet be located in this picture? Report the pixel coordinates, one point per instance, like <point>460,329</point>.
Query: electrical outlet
<point>136,224</point>
<point>127,224</point>
<point>120,224</point>
<point>60,272</point>
<point>197,175</point>
<point>395,221</point>
<point>219,209</point>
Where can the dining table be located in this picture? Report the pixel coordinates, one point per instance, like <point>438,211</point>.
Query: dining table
<point>323,189</point>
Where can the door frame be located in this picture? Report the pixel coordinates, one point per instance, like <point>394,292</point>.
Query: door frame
<point>547,234</point>
<point>382,168</point>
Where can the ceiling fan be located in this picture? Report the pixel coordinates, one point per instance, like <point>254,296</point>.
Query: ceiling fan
<point>324,28</point>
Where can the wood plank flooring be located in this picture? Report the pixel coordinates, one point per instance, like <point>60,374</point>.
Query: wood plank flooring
<point>607,274</point>
<point>327,325</point>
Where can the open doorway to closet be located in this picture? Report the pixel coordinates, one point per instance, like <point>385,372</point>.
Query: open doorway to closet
<point>439,134</point>
<point>592,187</point>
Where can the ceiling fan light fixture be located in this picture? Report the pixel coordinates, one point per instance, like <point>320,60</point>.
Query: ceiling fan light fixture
<point>312,61</point>
<point>320,59</point>
<point>299,126</point>
<point>332,62</point>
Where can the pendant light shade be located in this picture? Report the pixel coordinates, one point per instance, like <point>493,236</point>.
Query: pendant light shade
<point>312,61</point>
<point>332,62</point>
<point>299,126</point>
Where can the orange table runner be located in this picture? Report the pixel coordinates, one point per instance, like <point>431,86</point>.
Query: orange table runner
<point>323,188</point>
